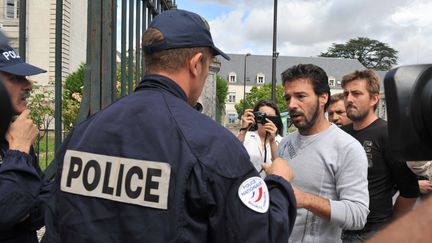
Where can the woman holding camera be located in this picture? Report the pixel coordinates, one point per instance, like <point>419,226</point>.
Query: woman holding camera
<point>260,132</point>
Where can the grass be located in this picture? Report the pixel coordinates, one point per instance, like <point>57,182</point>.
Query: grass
<point>44,148</point>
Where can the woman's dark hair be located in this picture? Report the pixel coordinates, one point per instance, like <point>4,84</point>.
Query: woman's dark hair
<point>277,121</point>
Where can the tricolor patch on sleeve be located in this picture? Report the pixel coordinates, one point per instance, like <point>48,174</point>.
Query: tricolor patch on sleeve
<point>254,193</point>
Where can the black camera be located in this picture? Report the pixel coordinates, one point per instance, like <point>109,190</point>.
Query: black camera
<point>408,91</point>
<point>260,117</point>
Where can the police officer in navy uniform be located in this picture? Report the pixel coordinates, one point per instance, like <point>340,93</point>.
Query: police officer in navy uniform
<point>21,211</point>
<point>151,168</point>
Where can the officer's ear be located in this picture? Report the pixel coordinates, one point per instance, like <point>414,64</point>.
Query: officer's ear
<point>196,64</point>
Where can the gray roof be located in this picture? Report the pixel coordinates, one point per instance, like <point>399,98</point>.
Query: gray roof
<point>336,67</point>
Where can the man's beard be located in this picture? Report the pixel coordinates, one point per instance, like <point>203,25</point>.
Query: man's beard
<point>357,116</point>
<point>308,124</point>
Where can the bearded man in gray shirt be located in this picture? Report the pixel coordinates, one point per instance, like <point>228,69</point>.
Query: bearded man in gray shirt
<point>330,166</point>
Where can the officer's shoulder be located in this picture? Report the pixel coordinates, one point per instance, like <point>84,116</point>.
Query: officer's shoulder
<point>213,145</point>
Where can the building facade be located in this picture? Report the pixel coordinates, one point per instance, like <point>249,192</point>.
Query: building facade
<point>40,34</point>
<point>9,22</point>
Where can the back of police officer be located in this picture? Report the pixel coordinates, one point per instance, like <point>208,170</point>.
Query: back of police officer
<point>151,168</point>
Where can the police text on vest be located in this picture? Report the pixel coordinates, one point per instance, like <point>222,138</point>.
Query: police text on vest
<point>140,182</point>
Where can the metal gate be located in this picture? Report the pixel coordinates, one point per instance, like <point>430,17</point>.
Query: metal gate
<point>100,82</point>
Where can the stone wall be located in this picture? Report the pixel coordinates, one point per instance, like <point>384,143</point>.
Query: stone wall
<point>208,95</point>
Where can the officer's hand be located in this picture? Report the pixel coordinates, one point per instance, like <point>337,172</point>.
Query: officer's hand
<point>279,167</point>
<point>248,118</point>
<point>22,133</point>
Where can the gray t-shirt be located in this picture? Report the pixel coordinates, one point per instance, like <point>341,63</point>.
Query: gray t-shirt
<point>332,165</point>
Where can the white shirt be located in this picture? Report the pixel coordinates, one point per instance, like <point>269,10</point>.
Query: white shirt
<point>253,145</point>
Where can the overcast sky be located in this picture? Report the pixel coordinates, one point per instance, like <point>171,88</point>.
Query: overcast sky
<point>309,27</point>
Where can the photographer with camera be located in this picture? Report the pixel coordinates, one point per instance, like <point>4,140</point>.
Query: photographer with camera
<point>261,133</point>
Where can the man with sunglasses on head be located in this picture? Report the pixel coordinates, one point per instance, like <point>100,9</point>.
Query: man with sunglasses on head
<point>20,175</point>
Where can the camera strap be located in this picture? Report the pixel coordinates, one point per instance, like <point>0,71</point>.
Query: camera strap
<point>265,147</point>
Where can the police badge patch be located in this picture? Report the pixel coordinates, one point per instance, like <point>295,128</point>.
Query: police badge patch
<point>254,193</point>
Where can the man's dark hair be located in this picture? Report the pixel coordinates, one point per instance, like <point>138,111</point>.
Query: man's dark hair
<point>315,74</point>
<point>278,121</point>
<point>336,97</point>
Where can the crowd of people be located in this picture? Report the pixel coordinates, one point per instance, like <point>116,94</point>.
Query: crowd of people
<point>181,177</point>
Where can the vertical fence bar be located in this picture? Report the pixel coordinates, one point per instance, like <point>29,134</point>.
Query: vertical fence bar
<point>130,57</point>
<point>95,58</point>
<point>23,29</point>
<point>123,49</point>
<point>84,109</point>
<point>274,54</point>
<point>114,50</point>
<point>106,53</point>
<point>137,42</point>
<point>149,12</point>
<point>144,27</point>
<point>58,73</point>
<point>46,146</point>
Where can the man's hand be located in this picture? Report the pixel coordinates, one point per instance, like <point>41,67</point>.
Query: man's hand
<point>425,186</point>
<point>22,133</point>
<point>279,167</point>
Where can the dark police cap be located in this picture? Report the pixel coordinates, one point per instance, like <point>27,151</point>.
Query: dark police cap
<point>11,62</point>
<point>182,29</point>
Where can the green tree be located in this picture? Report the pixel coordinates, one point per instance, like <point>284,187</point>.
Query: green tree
<point>221,95</point>
<point>262,93</point>
<point>371,53</point>
<point>72,95</point>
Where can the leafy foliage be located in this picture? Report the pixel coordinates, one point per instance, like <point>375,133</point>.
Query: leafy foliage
<point>371,53</point>
<point>41,105</point>
<point>262,93</point>
<point>72,95</point>
<point>221,94</point>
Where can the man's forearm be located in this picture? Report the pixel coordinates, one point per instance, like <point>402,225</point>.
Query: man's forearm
<point>317,205</point>
<point>402,206</point>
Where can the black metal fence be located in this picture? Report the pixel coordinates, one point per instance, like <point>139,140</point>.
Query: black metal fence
<point>100,82</point>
